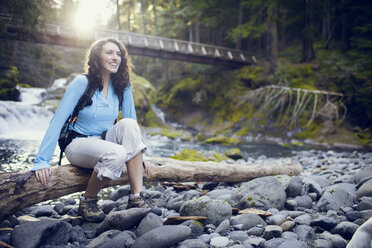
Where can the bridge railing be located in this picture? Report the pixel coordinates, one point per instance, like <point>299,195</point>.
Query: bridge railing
<point>146,41</point>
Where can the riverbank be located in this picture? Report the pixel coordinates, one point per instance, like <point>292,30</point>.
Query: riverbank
<point>322,207</point>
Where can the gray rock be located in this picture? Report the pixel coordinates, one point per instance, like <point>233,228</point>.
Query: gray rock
<point>312,187</point>
<point>364,190</point>
<point>256,231</point>
<point>219,242</point>
<point>303,219</point>
<point>294,187</point>
<point>293,244</point>
<point>336,240</point>
<point>364,205</point>
<point>108,205</point>
<point>346,229</point>
<point>287,225</point>
<point>192,243</point>
<point>163,237</point>
<point>304,233</point>
<point>206,238</point>
<point>304,201</point>
<point>39,233</point>
<point>103,238</point>
<point>192,193</point>
<point>214,194</point>
<point>175,203</point>
<point>43,211</point>
<point>272,231</point>
<point>363,174</point>
<point>223,227</point>
<point>277,219</point>
<point>122,220</point>
<point>59,207</point>
<point>289,235</point>
<point>120,192</point>
<point>209,185</point>
<point>321,180</point>
<point>195,226</point>
<point>291,204</point>
<point>324,222</point>
<point>353,215</point>
<point>335,197</point>
<point>69,201</point>
<point>123,239</point>
<point>241,246</point>
<point>255,242</point>
<point>148,223</point>
<point>322,243</point>
<point>216,211</point>
<point>238,236</point>
<point>77,235</point>
<point>248,221</point>
<point>262,193</point>
<point>273,243</point>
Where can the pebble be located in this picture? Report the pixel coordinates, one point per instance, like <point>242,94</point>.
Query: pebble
<point>322,207</point>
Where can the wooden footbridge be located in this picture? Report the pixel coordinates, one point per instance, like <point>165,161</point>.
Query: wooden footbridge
<point>137,44</point>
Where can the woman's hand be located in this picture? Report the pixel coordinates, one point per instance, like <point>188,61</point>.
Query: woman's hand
<point>147,166</point>
<point>43,175</point>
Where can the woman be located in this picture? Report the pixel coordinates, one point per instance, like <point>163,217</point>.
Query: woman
<point>108,74</point>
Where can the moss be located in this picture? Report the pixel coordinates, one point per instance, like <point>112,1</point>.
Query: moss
<point>217,157</point>
<point>250,198</point>
<point>298,76</point>
<point>222,140</point>
<point>253,204</point>
<point>234,153</point>
<point>151,119</point>
<point>311,132</point>
<point>170,133</point>
<point>189,155</point>
<point>363,138</point>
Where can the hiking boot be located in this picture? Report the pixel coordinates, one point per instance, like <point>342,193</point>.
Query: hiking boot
<point>89,210</point>
<point>141,201</point>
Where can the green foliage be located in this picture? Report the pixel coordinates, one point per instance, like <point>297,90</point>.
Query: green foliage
<point>8,83</point>
<point>222,140</point>
<point>298,76</point>
<point>189,155</point>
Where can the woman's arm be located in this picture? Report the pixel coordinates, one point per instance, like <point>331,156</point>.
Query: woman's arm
<point>67,105</point>
<point>127,107</point>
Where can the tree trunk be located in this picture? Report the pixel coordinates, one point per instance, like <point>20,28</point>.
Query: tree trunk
<point>308,53</point>
<point>240,22</point>
<point>345,33</point>
<point>118,14</point>
<point>155,11</point>
<point>19,190</point>
<point>143,15</point>
<point>272,37</point>
<point>197,29</point>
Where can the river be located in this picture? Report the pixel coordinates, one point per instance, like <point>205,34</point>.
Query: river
<point>23,124</point>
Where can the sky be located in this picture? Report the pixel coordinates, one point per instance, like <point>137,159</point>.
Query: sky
<point>91,11</point>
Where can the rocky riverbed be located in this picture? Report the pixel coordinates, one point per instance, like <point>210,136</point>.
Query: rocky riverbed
<point>322,207</point>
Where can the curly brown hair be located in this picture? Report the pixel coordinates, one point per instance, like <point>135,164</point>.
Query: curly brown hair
<point>93,68</point>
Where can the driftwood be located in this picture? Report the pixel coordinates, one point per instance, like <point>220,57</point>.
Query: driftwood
<point>19,190</point>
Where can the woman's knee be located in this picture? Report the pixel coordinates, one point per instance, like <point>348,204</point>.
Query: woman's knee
<point>128,123</point>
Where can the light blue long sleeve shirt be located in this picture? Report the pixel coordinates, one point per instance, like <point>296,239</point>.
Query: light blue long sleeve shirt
<point>91,121</point>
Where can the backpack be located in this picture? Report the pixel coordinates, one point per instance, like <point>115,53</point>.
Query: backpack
<point>67,135</point>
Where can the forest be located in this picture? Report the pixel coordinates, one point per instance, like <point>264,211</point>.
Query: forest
<point>318,45</point>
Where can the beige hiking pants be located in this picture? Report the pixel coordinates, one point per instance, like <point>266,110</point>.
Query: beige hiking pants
<point>107,157</point>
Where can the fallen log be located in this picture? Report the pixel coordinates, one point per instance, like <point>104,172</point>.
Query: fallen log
<point>19,190</point>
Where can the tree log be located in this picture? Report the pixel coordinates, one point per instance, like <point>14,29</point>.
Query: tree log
<point>19,190</point>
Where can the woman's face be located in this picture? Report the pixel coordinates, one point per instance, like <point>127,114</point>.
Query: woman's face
<point>110,58</point>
